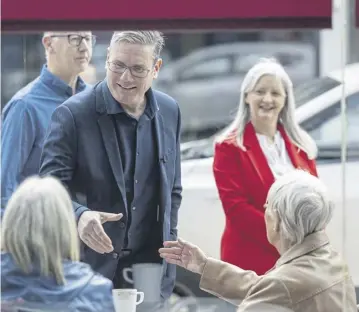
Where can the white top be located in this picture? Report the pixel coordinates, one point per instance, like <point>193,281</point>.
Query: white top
<point>276,154</point>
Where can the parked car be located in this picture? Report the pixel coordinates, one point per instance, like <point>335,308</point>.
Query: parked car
<point>201,217</point>
<point>206,82</point>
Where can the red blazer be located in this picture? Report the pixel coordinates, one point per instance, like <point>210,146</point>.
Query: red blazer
<point>243,180</point>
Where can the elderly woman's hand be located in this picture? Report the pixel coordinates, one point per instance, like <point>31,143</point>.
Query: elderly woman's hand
<point>184,254</point>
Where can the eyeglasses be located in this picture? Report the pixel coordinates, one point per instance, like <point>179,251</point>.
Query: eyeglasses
<point>76,40</point>
<point>136,71</point>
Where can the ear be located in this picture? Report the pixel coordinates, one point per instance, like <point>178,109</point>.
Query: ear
<point>276,222</point>
<point>157,68</point>
<point>108,54</point>
<point>47,43</point>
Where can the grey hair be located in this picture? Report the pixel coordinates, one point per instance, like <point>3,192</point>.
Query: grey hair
<point>39,227</point>
<point>302,203</point>
<point>145,37</point>
<point>287,116</point>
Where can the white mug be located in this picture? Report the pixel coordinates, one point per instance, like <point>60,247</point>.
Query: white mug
<point>146,277</point>
<point>126,300</point>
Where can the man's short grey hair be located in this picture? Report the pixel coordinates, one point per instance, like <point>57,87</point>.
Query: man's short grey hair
<point>39,227</point>
<point>146,37</point>
<point>302,203</point>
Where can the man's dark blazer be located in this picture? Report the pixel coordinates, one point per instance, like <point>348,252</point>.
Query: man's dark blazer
<point>81,149</point>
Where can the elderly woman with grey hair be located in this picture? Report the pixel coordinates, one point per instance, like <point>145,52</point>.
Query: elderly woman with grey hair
<point>309,275</point>
<point>40,268</point>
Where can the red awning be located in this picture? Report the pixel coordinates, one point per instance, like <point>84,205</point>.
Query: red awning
<point>184,14</point>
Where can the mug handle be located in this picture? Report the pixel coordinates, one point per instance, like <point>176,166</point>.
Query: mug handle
<point>126,277</point>
<point>142,296</point>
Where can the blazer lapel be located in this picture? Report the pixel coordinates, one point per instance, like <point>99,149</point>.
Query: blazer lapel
<point>162,160</point>
<point>293,150</point>
<point>109,137</point>
<point>257,157</point>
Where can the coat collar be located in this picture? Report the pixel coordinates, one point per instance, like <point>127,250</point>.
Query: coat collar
<point>112,107</point>
<point>106,124</point>
<point>106,104</point>
<point>311,242</point>
<point>258,159</point>
<point>256,156</point>
<point>58,85</point>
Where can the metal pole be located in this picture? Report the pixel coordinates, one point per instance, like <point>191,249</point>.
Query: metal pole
<point>344,61</point>
<point>343,7</point>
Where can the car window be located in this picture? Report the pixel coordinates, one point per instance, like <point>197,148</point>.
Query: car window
<point>309,90</point>
<point>328,130</point>
<point>209,68</point>
<point>243,63</point>
<point>324,128</point>
<point>288,59</point>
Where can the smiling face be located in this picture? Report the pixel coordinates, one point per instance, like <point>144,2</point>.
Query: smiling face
<point>131,69</point>
<point>266,100</point>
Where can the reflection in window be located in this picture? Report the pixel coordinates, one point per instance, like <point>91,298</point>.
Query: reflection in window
<point>245,62</point>
<point>207,69</point>
<point>288,59</point>
<point>309,90</point>
<point>329,133</point>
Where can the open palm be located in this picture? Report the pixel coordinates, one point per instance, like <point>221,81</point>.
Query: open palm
<point>184,254</point>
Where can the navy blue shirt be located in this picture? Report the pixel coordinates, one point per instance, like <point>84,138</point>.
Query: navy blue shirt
<point>140,164</point>
<point>25,120</point>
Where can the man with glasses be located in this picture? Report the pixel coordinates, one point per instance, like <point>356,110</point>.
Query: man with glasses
<point>117,149</point>
<point>26,116</point>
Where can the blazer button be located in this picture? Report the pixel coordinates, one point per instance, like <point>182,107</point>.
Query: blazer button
<point>115,255</point>
<point>122,225</point>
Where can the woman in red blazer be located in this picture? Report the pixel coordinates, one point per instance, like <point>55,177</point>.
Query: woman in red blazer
<point>263,142</point>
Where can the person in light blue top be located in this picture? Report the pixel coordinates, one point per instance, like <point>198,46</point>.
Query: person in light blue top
<point>40,267</point>
<point>26,116</point>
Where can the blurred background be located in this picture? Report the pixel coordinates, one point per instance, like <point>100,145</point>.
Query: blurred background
<point>201,70</point>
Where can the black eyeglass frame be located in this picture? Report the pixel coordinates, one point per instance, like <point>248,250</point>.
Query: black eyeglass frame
<point>93,39</point>
<point>130,68</point>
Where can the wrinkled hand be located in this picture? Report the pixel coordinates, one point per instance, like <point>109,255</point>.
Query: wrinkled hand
<point>184,254</point>
<point>91,231</point>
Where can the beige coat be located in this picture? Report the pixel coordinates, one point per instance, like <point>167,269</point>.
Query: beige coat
<point>309,277</point>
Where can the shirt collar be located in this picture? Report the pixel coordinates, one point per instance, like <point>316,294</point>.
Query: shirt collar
<point>57,84</point>
<point>114,107</point>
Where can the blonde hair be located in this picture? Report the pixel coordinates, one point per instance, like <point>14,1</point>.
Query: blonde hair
<point>287,116</point>
<point>39,227</point>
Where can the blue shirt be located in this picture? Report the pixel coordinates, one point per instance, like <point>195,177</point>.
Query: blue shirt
<point>25,120</point>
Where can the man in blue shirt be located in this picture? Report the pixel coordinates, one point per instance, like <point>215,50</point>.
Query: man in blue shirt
<point>26,116</point>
